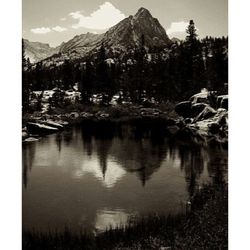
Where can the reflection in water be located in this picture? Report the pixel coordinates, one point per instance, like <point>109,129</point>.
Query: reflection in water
<point>58,139</point>
<point>192,162</point>
<point>113,172</point>
<point>98,175</point>
<point>110,218</point>
<point>28,158</point>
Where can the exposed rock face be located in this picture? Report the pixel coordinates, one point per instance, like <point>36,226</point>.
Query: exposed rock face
<point>36,51</point>
<point>81,44</point>
<point>127,33</point>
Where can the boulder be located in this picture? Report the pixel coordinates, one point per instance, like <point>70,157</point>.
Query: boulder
<point>74,115</point>
<point>197,108</point>
<point>222,117</point>
<point>53,124</point>
<point>214,128</point>
<point>222,101</point>
<point>184,109</point>
<point>173,130</point>
<point>37,128</point>
<point>188,120</point>
<point>31,139</point>
<point>24,135</point>
<point>180,123</point>
<point>207,113</point>
<point>86,115</point>
<point>201,97</point>
<point>149,112</point>
<point>170,122</point>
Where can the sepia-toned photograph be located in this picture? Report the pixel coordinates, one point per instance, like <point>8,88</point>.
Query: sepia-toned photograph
<point>124,124</point>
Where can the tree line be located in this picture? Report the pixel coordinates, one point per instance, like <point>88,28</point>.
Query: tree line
<point>170,73</point>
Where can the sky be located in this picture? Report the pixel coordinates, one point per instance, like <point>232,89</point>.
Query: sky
<point>57,21</point>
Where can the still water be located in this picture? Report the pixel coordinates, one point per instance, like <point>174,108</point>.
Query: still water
<point>87,178</point>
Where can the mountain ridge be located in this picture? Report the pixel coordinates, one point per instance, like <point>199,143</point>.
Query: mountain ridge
<point>121,37</point>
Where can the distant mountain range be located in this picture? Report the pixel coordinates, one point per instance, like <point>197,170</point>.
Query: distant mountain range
<point>123,36</point>
<point>37,51</point>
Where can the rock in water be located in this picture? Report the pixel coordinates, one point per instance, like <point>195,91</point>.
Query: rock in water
<point>31,139</point>
<point>36,128</point>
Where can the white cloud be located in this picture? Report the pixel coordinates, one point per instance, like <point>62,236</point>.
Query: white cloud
<point>105,17</point>
<point>63,19</point>
<point>177,27</point>
<point>42,30</point>
<point>59,28</point>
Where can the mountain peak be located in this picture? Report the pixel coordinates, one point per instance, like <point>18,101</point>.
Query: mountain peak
<point>143,12</point>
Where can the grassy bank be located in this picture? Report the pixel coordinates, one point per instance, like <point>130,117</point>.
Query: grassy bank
<point>204,226</point>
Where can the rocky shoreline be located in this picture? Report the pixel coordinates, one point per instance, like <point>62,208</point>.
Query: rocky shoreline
<point>192,121</point>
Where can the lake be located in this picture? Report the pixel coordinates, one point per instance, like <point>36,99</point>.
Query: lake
<point>92,177</point>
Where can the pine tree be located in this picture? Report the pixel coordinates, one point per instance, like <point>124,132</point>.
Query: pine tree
<point>191,32</point>
<point>25,82</point>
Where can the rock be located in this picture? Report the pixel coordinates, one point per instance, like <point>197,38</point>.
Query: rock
<point>149,112</point>
<point>207,113</point>
<point>173,130</point>
<point>53,124</point>
<point>147,103</point>
<point>197,108</point>
<point>31,139</point>
<point>37,128</point>
<point>102,115</point>
<point>222,101</point>
<point>201,97</point>
<point>170,122</point>
<point>214,128</point>
<point>180,123</point>
<point>184,109</point>
<point>74,115</point>
<point>24,135</point>
<point>188,120</point>
<point>86,115</point>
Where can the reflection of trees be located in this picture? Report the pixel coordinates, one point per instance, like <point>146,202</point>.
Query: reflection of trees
<point>87,140</point>
<point>217,166</point>
<point>102,150</point>
<point>68,136</point>
<point>192,162</point>
<point>27,159</point>
<point>58,140</point>
<point>103,133</point>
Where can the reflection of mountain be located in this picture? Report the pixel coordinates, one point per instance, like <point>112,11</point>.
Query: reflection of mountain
<point>138,156</point>
<point>113,172</point>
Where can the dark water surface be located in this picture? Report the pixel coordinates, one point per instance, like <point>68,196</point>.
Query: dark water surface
<point>92,178</point>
